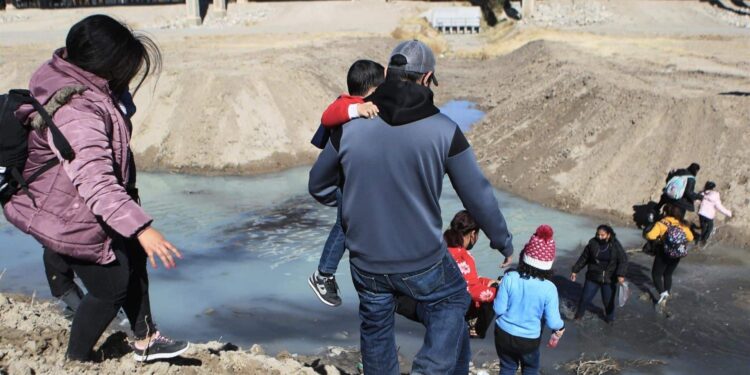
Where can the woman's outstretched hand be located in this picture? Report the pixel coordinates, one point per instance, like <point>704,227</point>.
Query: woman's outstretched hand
<point>507,262</point>
<point>156,245</point>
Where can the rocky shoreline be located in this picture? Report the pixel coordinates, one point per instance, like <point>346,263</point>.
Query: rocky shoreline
<point>34,337</point>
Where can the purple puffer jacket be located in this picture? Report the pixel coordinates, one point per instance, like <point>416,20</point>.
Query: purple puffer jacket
<point>81,204</point>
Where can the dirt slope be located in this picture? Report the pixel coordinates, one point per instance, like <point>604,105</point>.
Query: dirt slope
<point>596,135</point>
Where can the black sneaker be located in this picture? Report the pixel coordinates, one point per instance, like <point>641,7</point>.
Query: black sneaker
<point>325,288</point>
<point>160,347</point>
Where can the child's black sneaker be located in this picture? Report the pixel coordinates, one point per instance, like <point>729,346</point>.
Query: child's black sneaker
<point>160,347</point>
<point>325,288</point>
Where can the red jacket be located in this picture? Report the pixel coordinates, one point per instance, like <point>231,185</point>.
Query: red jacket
<point>337,113</point>
<point>477,286</point>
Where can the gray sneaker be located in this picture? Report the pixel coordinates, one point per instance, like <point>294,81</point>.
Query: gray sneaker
<point>160,347</point>
<point>325,288</point>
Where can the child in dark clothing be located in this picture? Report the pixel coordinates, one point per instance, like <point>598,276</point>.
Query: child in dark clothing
<point>363,78</point>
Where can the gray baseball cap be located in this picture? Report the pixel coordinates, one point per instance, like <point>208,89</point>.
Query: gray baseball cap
<point>419,57</point>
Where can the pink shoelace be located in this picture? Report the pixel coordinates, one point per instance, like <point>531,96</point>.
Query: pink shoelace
<point>156,338</point>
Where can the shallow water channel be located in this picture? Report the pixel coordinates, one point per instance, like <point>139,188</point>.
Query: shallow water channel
<point>249,244</point>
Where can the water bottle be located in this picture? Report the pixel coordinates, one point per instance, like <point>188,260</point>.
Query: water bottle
<point>553,340</point>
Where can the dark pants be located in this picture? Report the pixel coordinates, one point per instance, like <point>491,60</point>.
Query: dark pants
<point>608,292</point>
<point>60,277</point>
<point>334,248</point>
<point>509,360</point>
<point>662,270</point>
<point>440,291</point>
<point>59,273</point>
<point>484,315</point>
<point>707,226</point>
<point>122,283</point>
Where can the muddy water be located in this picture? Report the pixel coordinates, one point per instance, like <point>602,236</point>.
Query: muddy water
<point>251,243</point>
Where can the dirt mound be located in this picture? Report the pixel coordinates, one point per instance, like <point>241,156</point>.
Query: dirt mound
<point>595,136</point>
<point>248,109</point>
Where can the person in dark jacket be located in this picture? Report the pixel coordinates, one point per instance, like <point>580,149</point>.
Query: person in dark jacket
<point>690,196</point>
<point>607,264</point>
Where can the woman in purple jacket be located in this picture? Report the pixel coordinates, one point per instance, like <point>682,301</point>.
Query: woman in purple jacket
<point>87,209</point>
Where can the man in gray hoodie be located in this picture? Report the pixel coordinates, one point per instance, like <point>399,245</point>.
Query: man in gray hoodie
<point>390,170</point>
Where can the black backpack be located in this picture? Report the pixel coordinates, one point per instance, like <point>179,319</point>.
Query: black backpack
<point>14,144</point>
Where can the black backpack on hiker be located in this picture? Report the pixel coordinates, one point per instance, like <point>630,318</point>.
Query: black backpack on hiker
<point>14,144</point>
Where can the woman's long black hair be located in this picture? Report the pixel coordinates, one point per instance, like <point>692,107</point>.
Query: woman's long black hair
<point>107,48</point>
<point>462,224</point>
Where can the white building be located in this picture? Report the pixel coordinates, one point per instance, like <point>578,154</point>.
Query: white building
<point>455,19</point>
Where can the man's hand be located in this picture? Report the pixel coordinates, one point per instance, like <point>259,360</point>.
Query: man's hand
<point>507,262</point>
<point>154,244</point>
<point>367,110</point>
<point>573,277</point>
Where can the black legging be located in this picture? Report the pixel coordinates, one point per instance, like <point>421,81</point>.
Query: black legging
<point>707,226</point>
<point>662,270</point>
<point>59,273</point>
<point>120,284</point>
<point>60,277</point>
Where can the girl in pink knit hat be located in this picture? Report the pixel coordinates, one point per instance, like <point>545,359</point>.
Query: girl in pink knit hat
<point>525,298</point>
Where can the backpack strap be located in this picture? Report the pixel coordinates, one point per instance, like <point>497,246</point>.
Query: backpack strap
<point>23,183</point>
<point>666,224</point>
<point>47,166</point>
<point>62,145</point>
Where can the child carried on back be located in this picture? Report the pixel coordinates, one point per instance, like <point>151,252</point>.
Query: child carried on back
<point>363,78</point>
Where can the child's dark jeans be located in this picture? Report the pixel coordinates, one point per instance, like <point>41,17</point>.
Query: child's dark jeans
<point>334,248</point>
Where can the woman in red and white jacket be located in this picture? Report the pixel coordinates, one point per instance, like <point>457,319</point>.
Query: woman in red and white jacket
<point>460,238</point>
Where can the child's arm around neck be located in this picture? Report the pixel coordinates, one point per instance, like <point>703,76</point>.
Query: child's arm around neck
<point>339,112</point>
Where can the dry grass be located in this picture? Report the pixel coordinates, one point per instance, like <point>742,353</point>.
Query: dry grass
<point>419,28</point>
<point>601,366</point>
<point>605,365</point>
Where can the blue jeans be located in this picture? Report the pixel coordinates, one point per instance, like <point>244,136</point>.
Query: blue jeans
<point>443,300</point>
<point>509,363</point>
<point>609,293</point>
<point>334,248</point>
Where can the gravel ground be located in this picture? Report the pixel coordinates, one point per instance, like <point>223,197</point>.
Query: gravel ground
<point>569,13</point>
